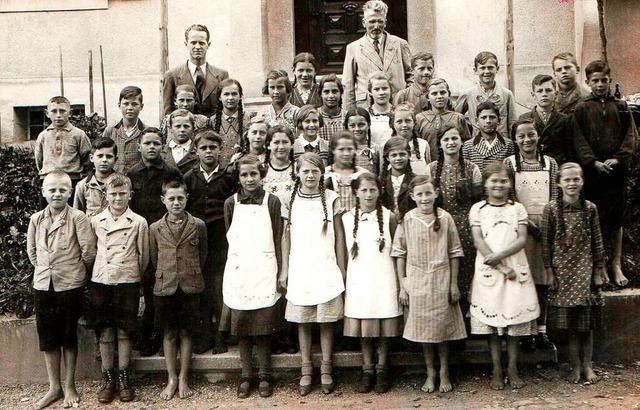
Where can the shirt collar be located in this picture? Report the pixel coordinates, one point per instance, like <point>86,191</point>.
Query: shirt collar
<point>208,176</point>
<point>107,214</point>
<point>252,198</point>
<point>304,142</point>
<point>62,215</point>
<point>158,164</point>
<point>381,40</point>
<point>192,68</point>
<point>185,146</point>
<point>567,205</point>
<point>67,127</point>
<point>592,96</point>
<point>226,117</point>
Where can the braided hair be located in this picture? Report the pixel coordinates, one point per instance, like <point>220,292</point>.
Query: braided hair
<point>270,134</point>
<point>219,108</point>
<point>422,180</point>
<point>244,141</point>
<point>314,160</point>
<point>406,107</point>
<point>561,233</point>
<point>379,75</point>
<point>359,111</point>
<point>392,144</point>
<point>333,144</point>
<point>461,192</point>
<point>367,176</point>
<point>539,153</point>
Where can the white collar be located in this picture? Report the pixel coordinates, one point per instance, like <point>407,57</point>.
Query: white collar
<point>206,176</point>
<point>185,146</point>
<point>192,68</point>
<point>304,142</point>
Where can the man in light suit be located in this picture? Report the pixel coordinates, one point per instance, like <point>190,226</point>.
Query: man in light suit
<point>196,72</point>
<point>376,51</point>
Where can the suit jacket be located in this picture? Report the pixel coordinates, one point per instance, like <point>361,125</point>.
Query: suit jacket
<point>556,136</point>
<point>181,75</point>
<point>405,203</point>
<point>178,262</point>
<point>187,163</point>
<point>361,59</point>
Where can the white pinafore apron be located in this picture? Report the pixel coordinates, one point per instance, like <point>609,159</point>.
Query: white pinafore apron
<point>533,190</point>
<point>380,129</point>
<point>250,274</point>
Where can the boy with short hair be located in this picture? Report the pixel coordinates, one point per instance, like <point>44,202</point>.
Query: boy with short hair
<point>62,248</point>
<point>146,180</point>
<point>605,138</point>
<point>90,196</point>
<point>178,244</point>
<point>486,67</point>
<point>61,146</point>
<point>489,145</point>
<point>122,257</point>
<point>553,127</point>
<point>126,133</point>
<point>422,66</point>
<point>185,98</point>
<point>570,90</point>
<point>209,186</point>
<point>180,150</point>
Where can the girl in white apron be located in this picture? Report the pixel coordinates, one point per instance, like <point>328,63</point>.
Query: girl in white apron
<point>380,108</point>
<point>503,294</point>
<point>254,230</point>
<point>372,312</point>
<point>534,186</point>
<point>313,266</point>
<point>343,171</point>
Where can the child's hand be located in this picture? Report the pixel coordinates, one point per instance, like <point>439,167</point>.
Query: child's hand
<point>508,272</point>
<point>403,297</point>
<point>492,259</point>
<point>282,280</point>
<point>600,277</point>
<point>454,294</point>
<point>554,279</point>
<point>602,167</point>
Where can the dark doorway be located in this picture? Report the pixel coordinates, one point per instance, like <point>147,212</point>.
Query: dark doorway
<point>324,28</point>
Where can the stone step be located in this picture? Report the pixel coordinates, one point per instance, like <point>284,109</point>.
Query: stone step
<point>475,352</point>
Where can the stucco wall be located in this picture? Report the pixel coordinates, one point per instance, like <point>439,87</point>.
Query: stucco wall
<point>623,35</point>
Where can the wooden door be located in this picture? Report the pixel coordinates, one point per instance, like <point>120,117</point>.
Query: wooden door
<point>325,27</point>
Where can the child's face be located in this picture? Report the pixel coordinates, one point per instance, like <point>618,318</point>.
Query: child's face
<point>230,97</point>
<point>423,72</point>
<point>280,146</point>
<point>103,160</point>
<point>488,121</point>
<point>344,152</point>
<point>250,178</point>
<point>130,107</point>
<point>497,186</point>
<point>208,152</point>
<point>305,74</point>
<point>399,159</point>
<point>309,175</point>
<point>197,44</point>
<point>451,142</point>
<point>571,182</point>
<point>487,71</point>
<point>58,113</point>
<point>526,138</point>
<point>257,134</point>
<point>310,126</point>
<point>424,196</point>
<point>278,91</point>
<point>380,91</point>
<point>175,200</point>
<point>403,123</point>
<point>358,125</point>
<point>150,147</point>
<point>599,84</point>
<point>181,129</point>
<point>368,194</point>
<point>544,94</point>
<point>438,96</point>
<point>330,95</point>
<point>118,197</point>
<point>185,100</point>
<point>565,72</point>
<point>56,191</point>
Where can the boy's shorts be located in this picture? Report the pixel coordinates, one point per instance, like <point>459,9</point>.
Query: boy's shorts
<point>178,311</point>
<point>113,306</point>
<point>57,315</point>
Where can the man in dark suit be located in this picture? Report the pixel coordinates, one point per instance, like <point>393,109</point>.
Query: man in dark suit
<point>196,72</point>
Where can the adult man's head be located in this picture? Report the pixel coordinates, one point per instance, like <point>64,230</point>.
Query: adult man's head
<point>196,38</point>
<point>374,19</point>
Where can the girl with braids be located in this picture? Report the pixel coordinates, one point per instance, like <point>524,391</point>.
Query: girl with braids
<point>403,121</point>
<point>305,90</point>
<point>184,98</point>
<point>503,294</point>
<point>228,121</point>
<point>439,113</point>
<point>313,266</point>
<point>371,309</point>
<point>459,184</point>
<point>343,170</point>
<point>331,91</point>
<point>358,121</point>
<point>309,122</point>
<point>575,260</point>
<point>534,176</point>
<point>396,175</point>
<point>427,250</point>
<point>280,177</point>
<point>380,107</point>
<point>253,141</point>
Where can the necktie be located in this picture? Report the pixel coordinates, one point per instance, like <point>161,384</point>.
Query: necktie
<point>376,46</point>
<point>309,148</point>
<point>199,82</point>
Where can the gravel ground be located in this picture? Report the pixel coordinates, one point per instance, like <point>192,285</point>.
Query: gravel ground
<point>545,389</point>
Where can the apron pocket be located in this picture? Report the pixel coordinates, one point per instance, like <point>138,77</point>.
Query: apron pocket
<point>487,275</point>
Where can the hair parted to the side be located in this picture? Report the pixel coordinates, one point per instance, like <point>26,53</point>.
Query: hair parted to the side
<point>304,112</point>
<point>270,134</point>
<point>151,130</point>
<point>406,107</point>
<point>379,75</point>
<point>104,142</point>
<point>355,185</point>
<point>181,112</point>
<point>483,57</point>
<point>332,78</point>
<point>197,27</point>
<point>343,135</point>
<point>217,124</point>
<point>420,180</point>
<point>207,135</point>
<point>437,81</point>
<point>130,92</point>
<point>394,143</point>
<point>420,56</point>
<point>274,75</point>
<point>312,159</point>
<point>487,105</point>
<point>597,66</point>
<point>561,232</point>
<point>514,131</point>
<point>251,159</point>
<point>173,181</point>
<point>540,79</point>
<point>117,180</point>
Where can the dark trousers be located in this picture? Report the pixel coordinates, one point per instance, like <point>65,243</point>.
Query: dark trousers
<point>211,299</point>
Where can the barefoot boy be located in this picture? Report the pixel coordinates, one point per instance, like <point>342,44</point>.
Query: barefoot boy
<point>178,252</point>
<point>61,247</point>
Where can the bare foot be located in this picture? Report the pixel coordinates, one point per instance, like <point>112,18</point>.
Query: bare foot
<point>515,381</point>
<point>445,382</point>
<point>574,375</point>
<point>184,390</point>
<point>497,380</point>
<point>170,390</point>
<point>52,396</point>
<point>618,277</point>
<point>71,397</point>
<point>429,386</point>
<point>591,377</point>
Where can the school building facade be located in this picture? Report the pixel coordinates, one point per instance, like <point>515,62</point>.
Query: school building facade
<point>141,38</point>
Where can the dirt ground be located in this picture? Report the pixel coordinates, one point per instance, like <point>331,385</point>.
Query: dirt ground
<point>546,388</point>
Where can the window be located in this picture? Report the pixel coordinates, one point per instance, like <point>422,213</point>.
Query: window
<point>28,122</point>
